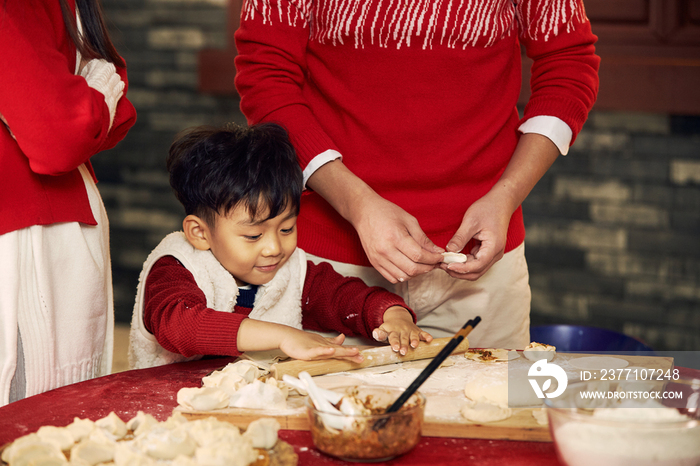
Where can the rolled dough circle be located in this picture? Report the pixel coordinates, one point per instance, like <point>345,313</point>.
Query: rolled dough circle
<point>494,390</point>
<point>485,412</point>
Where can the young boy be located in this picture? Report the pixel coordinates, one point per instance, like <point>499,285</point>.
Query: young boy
<point>233,280</point>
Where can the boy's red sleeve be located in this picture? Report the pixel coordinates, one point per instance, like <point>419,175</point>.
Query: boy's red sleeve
<point>176,313</point>
<point>332,302</point>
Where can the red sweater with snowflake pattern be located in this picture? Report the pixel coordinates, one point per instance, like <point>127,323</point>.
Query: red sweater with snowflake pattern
<point>418,97</point>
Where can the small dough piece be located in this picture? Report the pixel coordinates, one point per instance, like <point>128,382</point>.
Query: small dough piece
<point>490,355</point>
<point>453,257</point>
<point>536,351</point>
<point>485,412</point>
<point>202,399</point>
<point>262,433</point>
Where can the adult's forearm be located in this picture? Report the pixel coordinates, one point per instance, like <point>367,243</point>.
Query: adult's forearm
<point>341,188</point>
<point>533,156</point>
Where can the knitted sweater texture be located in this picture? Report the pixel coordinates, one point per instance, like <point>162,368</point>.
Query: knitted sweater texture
<point>419,97</point>
<point>59,121</point>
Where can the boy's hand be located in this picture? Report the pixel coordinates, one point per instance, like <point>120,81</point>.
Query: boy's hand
<point>400,331</point>
<point>308,346</point>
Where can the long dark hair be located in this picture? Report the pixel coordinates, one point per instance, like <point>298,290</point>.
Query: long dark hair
<point>94,41</point>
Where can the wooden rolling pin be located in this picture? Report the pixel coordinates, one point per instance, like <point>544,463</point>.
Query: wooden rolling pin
<point>379,356</point>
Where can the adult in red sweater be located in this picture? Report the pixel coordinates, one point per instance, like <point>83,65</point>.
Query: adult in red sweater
<point>234,280</point>
<point>404,119</point>
<point>62,101</point>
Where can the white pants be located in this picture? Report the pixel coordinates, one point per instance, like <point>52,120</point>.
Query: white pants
<point>444,304</point>
<point>56,296</point>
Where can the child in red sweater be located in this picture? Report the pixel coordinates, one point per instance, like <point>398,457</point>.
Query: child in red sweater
<point>234,280</point>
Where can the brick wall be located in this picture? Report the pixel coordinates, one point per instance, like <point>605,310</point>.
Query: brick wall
<point>613,229</point>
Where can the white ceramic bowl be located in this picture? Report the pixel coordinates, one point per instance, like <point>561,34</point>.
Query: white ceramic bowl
<point>626,430</point>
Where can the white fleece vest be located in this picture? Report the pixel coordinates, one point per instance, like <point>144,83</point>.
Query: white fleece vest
<point>277,301</point>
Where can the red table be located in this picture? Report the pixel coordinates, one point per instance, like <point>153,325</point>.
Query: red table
<point>154,391</point>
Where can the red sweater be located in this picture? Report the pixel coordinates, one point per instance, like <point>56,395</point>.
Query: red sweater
<point>176,312</point>
<point>419,97</point>
<point>58,120</point>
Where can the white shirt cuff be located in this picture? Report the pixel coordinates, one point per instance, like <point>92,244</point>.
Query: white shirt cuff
<point>550,127</point>
<point>319,161</point>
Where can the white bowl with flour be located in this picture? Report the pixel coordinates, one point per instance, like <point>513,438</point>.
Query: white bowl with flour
<point>638,427</point>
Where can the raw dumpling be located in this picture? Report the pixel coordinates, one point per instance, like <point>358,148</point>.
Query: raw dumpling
<point>60,436</point>
<point>80,428</point>
<point>225,454</point>
<point>165,444</point>
<point>142,422</point>
<point>263,433</point>
<point>259,395</point>
<point>89,453</point>
<point>202,399</point>
<point>30,448</point>
<point>112,424</point>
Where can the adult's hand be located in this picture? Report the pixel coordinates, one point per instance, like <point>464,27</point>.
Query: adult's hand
<point>487,219</point>
<point>393,240</point>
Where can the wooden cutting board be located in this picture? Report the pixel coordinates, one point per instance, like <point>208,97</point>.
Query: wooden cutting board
<point>442,418</point>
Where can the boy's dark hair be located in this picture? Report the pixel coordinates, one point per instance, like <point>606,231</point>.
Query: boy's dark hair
<point>213,170</point>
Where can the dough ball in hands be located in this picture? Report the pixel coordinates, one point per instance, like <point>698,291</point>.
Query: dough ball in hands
<point>453,257</point>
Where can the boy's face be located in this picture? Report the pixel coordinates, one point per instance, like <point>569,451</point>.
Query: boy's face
<point>253,250</point>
